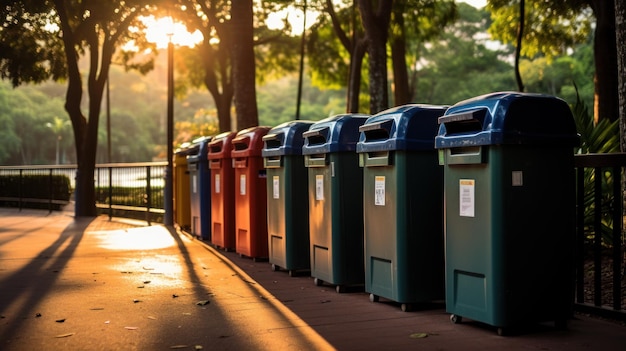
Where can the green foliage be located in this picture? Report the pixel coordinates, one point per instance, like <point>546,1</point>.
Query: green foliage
<point>38,188</point>
<point>457,66</point>
<point>602,137</point>
<point>551,26</point>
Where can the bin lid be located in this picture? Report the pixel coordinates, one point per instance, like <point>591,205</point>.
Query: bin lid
<point>199,149</point>
<point>406,127</point>
<point>285,138</point>
<point>249,142</point>
<point>220,146</point>
<point>333,134</point>
<point>508,118</point>
<point>183,149</point>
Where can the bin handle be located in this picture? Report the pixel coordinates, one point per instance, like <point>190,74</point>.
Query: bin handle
<point>370,126</point>
<point>314,134</point>
<point>467,121</point>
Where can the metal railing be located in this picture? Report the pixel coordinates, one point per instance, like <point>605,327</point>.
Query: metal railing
<point>600,263</point>
<point>127,189</point>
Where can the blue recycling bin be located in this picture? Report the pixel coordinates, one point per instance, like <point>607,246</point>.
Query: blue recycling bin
<point>200,188</point>
<point>335,183</point>
<point>403,205</point>
<point>509,179</point>
<point>287,197</point>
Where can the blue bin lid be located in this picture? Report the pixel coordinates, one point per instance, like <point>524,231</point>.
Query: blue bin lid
<point>333,134</point>
<point>406,127</point>
<point>285,139</point>
<point>199,149</point>
<point>507,118</point>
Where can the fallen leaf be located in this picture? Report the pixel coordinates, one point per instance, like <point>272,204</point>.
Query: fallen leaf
<point>418,335</point>
<point>146,282</point>
<point>97,308</point>
<point>60,320</point>
<point>38,315</point>
<point>135,300</point>
<point>140,287</point>
<point>148,268</point>
<point>64,335</point>
<point>198,347</point>
<point>152,317</point>
<point>179,347</point>
<point>203,303</point>
<point>174,295</point>
<point>131,328</point>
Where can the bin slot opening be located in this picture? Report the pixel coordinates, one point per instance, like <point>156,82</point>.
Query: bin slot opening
<point>464,122</point>
<point>240,145</point>
<point>316,137</point>
<point>216,148</point>
<point>273,141</point>
<point>377,131</point>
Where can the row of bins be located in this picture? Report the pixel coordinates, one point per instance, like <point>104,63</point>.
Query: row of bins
<point>417,203</point>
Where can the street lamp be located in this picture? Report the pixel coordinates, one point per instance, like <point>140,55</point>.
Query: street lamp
<point>169,170</point>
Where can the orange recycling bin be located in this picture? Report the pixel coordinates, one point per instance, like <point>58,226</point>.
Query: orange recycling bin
<point>222,191</point>
<point>250,193</point>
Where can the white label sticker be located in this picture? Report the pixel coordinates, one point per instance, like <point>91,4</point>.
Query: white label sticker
<point>517,178</point>
<point>194,184</point>
<point>217,183</point>
<point>276,187</point>
<point>379,191</point>
<point>242,184</point>
<point>319,187</point>
<point>466,197</point>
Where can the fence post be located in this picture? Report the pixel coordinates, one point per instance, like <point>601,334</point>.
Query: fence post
<point>110,192</point>
<point>19,190</point>
<point>148,194</point>
<point>50,191</point>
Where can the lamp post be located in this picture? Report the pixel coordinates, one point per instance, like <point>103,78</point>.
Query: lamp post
<point>169,170</point>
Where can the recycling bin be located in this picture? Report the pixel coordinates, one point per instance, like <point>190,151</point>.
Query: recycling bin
<point>509,216</point>
<point>335,187</point>
<point>287,197</point>
<point>402,205</point>
<point>250,193</point>
<point>182,204</point>
<point>200,188</point>
<point>222,191</point>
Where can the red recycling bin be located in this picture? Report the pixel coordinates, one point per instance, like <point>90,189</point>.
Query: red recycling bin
<point>250,193</point>
<point>222,191</point>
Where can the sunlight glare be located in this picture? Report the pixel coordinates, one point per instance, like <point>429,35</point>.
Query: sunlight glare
<point>159,30</point>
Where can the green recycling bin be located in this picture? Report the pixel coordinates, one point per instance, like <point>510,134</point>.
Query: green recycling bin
<point>287,197</point>
<point>335,183</point>
<point>509,209</point>
<point>182,204</point>
<point>402,205</point>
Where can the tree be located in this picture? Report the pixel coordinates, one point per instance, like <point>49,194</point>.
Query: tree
<point>375,16</point>
<point>427,19</point>
<point>555,26</point>
<point>53,36</point>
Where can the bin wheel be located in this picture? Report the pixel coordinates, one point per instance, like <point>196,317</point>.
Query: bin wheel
<point>406,307</point>
<point>374,298</point>
<point>502,331</point>
<point>318,282</point>
<point>456,319</point>
<point>275,268</point>
<point>292,273</point>
<point>340,289</point>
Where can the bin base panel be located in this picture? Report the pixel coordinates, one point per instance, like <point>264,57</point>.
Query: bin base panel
<point>381,278</point>
<point>277,250</point>
<point>469,296</point>
<point>320,265</point>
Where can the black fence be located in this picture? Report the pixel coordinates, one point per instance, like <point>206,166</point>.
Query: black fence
<point>136,190</point>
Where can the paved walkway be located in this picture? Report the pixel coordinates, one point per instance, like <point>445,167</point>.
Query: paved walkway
<point>121,285</point>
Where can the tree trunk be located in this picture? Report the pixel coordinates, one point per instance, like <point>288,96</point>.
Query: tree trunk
<point>605,55</point>
<point>354,80</point>
<point>243,64</point>
<point>402,91</point>
<point>518,47</point>
<point>401,87</point>
<point>620,36</point>
<point>376,24</point>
